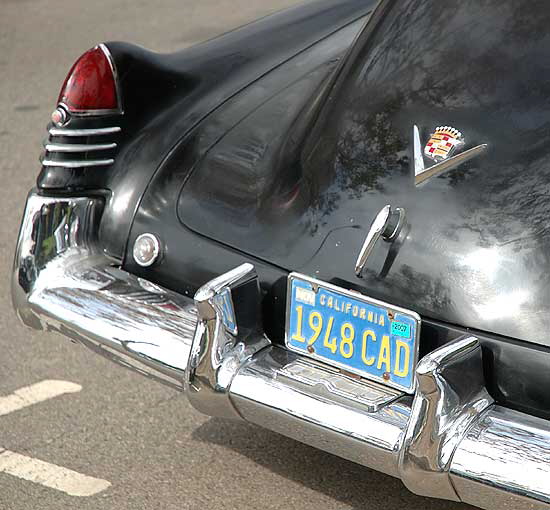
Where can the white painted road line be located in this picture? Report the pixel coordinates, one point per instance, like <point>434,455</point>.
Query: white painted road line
<point>38,471</point>
<point>50,475</point>
<point>36,393</point>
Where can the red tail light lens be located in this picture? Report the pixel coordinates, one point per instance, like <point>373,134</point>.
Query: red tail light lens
<point>91,85</point>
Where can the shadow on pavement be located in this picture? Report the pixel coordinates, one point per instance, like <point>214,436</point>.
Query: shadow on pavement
<point>337,478</point>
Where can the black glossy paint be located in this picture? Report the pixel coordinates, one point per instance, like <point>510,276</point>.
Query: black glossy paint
<point>293,169</point>
<point>165,96</point>
<point>202,259</point>
<point>299,186</point>
<point>285,161</point>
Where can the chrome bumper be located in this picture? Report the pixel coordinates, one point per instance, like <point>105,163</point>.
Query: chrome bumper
<point>449,441</point>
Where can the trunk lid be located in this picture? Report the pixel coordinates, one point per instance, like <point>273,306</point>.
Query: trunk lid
<point>297,182</point>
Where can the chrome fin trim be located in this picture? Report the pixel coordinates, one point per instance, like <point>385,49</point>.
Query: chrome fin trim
<point>67,147</point>
<point>79,163</point>
<point>78,155</point>
<point>54,131</point>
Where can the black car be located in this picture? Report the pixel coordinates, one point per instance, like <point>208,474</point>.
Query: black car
<point>332,222</point>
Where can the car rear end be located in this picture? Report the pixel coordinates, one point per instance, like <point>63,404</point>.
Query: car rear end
<point>164,239</point>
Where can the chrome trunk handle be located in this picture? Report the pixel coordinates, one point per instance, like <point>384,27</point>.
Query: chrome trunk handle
<point>387,226</point>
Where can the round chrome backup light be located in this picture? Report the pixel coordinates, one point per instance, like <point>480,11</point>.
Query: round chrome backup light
<point>146,250</point>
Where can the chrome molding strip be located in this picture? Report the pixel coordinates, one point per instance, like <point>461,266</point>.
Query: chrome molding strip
<point>54,131</point>
<point>449,440</point>
<point>67,147</point>
<point>78,164</point>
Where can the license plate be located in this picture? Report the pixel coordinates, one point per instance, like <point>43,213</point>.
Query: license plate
<point>358,334</point>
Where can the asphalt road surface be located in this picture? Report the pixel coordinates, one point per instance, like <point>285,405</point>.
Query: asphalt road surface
<point>102,437</point>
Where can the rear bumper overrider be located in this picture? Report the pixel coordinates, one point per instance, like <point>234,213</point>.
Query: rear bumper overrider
<point>449,440</point>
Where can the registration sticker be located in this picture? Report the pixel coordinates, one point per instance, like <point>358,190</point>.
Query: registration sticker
<point>348,330</point>
<point>401,329</point>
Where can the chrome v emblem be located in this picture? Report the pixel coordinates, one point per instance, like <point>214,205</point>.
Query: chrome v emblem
<point>422,174</point>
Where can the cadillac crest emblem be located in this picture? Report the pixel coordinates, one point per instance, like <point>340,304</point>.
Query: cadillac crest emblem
<point>443,142</point>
